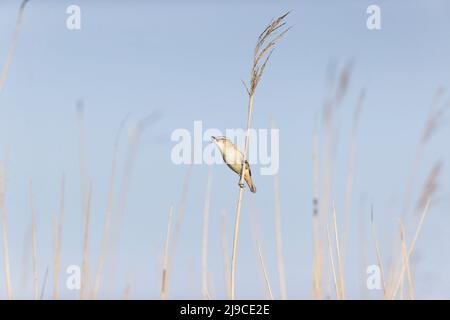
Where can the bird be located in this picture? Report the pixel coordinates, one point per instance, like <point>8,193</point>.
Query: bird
<point>233,158</point>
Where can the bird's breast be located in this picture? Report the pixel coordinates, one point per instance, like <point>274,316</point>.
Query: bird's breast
<point>233,159</point>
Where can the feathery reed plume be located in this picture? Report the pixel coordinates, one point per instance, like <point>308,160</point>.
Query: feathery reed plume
<point>34,244</point>
<point>438,110</point>
<point>12,46</point>
<point>165,279</point>
<point>378,253</point>
<point>430,187</point>
<point>6,262</point>
<point>85,261</point>
<point>411,249</point>
<point>108,210</point>
<point>58,241</point>
<point>262,52</point>
<point>205,286</point>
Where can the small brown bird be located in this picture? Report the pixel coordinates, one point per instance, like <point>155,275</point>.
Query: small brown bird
<point>233,158</point>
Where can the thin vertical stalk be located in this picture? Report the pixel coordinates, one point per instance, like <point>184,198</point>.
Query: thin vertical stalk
<point>58,241</point>
<point>12,46</point>
<point>279,239</point>
<point>165,274</point>
<point>411,248</point>
<point>85,261</point>
<point>351,169</point>
<point>239,203</point>
<point>205,286</point>
<point>264,269</point>
<point>261,55</point>
<point>339,256</point>
<point>317,286</point>
<point>44,285</point>
<point>406,262</point>
<point>378,252</point>
<point>34,245</point>
<point>6,261</point>
<point>108,212</point>
<point>226,266</point>
<point>332,265</point>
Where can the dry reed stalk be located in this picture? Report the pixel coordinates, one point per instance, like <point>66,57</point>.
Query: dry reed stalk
<point>34,245</point>
<point>339,256</point>
<point>332,265</point>
<point>12,46</point>
<point>278,239</point>
<point>6,261</point>
<point>225,254</point>
<point>278,234</point>
<point>82,146</point>
<point>256,234</point>
<point>132,149</point>
<point>25,263</point>
<point>262,52</point>
<point>264,269</point>
<point>179,219</point>
<point>402,286</point>
<point>429,189</point>
<point>317,260</point>
<point>351,167</point>
<point>108,211</point>
<point>44,285</point>
<point>406,262</point>
<point>411,248</point>
<point>127,292</point>
<point>58,241</point>
<point>85,261</point>
<point>204,262</point>
<point>332,102</point>
<point>165,273</point>
<point>317,277</point>
<point>378,253</point>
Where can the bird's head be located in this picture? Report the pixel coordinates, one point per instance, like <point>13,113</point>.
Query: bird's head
<point>220,141</point>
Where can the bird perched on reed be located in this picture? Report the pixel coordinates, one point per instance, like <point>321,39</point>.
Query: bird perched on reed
<point>233,157</point>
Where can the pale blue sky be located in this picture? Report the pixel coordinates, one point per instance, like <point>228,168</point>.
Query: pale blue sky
<point>186,62</point>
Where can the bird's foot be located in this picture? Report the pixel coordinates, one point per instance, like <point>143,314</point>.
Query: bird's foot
<point>241,185</point>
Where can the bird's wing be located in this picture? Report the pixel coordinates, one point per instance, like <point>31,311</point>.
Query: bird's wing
<point>248,166</point>
<point>237,149</point>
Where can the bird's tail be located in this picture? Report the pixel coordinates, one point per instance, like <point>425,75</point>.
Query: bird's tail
<point>250,184</point>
